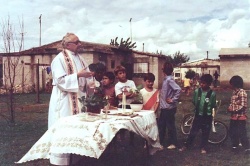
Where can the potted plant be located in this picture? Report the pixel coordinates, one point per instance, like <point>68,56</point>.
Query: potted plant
<point>137,103</point>
<point>94,102</point>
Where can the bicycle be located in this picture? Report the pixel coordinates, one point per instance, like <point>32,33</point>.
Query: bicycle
<point>219,130</point>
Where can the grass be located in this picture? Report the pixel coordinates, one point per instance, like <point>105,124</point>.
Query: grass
<point>31,123</point>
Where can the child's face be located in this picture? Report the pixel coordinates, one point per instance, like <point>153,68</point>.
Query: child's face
<point>149,84</point>
<point>204,85</point>
<point>106,81</point>
<point>121,76</point>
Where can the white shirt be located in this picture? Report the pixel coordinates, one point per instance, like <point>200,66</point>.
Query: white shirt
<point>146,95</point>
<point>122,86</point>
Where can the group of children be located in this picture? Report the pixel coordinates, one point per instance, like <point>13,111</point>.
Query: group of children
<point>204,100</point>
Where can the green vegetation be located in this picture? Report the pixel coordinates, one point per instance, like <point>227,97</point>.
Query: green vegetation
<point>190,74</point>
<point>123,44</point>
<point>177,58</point>
<point>31,123</point>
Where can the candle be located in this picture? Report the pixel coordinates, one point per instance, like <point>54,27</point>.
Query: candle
<point>123,101</point>
<point>106,108</point>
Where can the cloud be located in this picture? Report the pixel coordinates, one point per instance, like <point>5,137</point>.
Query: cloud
<point>191,27</point>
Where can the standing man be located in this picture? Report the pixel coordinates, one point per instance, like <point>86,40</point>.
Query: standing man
<point>69,73</point>
<point>169,96</point>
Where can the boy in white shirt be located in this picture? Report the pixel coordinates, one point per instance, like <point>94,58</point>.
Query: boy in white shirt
<point>123,86</point>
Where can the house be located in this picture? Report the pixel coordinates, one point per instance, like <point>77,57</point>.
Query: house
<point>200,67</point>
<point>234,61</point>
<point>38,60</point>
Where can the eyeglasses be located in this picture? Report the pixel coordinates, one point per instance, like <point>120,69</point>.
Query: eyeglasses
<point>76,42</point>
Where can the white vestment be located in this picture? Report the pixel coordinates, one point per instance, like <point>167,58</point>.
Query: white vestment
<point>64,83</point>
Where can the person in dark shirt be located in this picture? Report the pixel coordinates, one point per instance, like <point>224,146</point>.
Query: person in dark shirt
<point>108,88</point>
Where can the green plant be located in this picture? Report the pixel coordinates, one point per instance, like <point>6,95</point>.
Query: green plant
<point>97,100</point>
<point>123,44</point>
<point>137,99</point>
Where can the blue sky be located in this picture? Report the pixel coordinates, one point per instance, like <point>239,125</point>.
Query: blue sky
<point>189,26</point>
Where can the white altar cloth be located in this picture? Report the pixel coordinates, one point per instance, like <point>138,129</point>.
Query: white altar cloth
<point>76,135</point>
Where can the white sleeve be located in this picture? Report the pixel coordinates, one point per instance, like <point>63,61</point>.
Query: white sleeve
<point>132,84</point>
<point>117,89</point>
<point>63,81</point>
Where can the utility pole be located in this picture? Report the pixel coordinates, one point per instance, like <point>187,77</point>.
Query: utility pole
<point>40,21</point>
<point>130,29</point>
<point>37,83</point>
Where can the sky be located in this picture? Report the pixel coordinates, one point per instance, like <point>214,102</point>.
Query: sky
<point>192,27</point>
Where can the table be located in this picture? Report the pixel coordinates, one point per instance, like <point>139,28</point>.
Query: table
<point>90,137</point>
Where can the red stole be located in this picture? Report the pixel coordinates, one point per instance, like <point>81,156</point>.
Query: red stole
<point>150,103</point>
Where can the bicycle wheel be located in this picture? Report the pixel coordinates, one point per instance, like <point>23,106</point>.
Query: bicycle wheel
<point>219,132</point>
<point>186,123</point>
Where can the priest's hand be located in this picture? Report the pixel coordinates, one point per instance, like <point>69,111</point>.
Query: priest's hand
<point>84,73</point>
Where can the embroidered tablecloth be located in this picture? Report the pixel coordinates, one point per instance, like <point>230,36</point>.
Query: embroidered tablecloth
<point>90,136</point>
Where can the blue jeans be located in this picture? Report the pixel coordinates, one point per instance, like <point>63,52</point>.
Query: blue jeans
<point>167,120</point>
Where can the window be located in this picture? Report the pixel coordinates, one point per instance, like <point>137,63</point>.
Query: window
<point>140,67</point>
<point>177,74</point>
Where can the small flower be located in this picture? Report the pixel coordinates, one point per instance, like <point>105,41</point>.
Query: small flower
<point>206,100</point>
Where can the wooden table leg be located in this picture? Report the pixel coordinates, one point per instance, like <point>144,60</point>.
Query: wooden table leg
<point>147,147</point>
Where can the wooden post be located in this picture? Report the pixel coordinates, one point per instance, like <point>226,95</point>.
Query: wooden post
<point>23,78</point>
<point>37,82</point>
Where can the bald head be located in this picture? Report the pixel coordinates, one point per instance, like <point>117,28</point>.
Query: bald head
<point>69,37</point>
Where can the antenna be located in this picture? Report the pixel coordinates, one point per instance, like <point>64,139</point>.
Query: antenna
<point>130,29</point>
<point>40,21</point>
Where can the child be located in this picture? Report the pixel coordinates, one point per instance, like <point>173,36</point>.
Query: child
<point>186,85</point>
<point>94,82</point>
<point>123,86</point>
<point>169,96</point>
<point>149,93</point>
<point>204,100</point>
<point>108,80</point>
<point>238,110</point>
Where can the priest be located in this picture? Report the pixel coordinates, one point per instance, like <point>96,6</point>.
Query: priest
<point>69,73</point>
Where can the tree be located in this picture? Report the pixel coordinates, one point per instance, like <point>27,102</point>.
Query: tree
<point>11,43</point>
<point>177,59</point>
<point>123,44</point>
<point>190,74</point>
